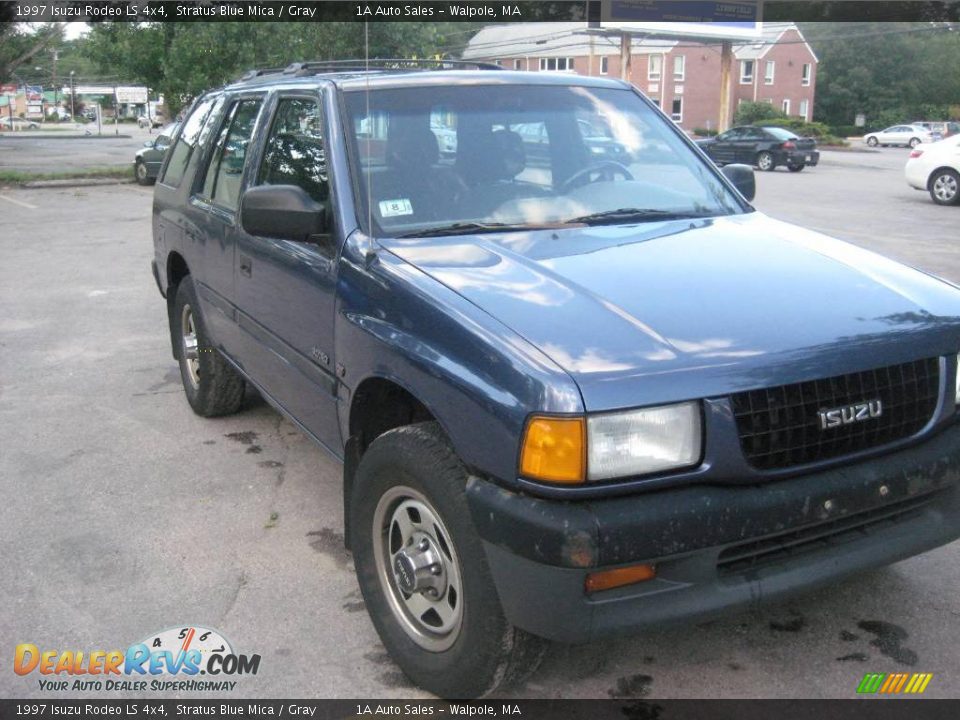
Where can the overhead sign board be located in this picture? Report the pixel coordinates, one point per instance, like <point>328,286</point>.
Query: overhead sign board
<point>736,20</point>
<point>131,95</point>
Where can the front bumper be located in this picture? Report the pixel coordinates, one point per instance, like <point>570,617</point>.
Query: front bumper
<point>715,547</point>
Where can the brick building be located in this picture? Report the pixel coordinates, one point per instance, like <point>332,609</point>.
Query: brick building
<point>682,76</point>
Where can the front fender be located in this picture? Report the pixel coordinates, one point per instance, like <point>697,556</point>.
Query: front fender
<point>479,379</point>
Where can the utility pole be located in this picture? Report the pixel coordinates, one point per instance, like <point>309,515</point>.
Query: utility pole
<point>116,112</point>
<point>73,99</point>
<point>625,53</point>
<point>726,63</point>
<point>56,87</point>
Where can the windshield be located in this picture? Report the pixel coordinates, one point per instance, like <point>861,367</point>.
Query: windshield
<point>485,157</point>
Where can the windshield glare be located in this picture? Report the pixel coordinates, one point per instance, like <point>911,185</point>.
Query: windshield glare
<point>530,156</point>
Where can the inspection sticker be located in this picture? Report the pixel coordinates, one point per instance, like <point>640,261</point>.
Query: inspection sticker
<point>392,208</point>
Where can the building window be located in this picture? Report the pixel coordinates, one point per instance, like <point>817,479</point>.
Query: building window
<point>655,67</point>
<point>558,64</point>
<point>604,65</point>
<point>805,75</point>
<point>746,72</point>
<point>679,65</point>
<point>768,73</point>
<point>786,107</point>
<point>805,110</point>
<point>676,110</point>
<point>517,64</point>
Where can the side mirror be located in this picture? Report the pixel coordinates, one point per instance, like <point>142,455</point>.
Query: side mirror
<point>742,178</point>
<point>282,211</point>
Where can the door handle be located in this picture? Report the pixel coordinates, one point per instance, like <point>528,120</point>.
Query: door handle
<point>246,266</point>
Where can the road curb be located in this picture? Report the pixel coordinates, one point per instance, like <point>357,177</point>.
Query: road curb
<point>58,136</point>
<point>74,182</point>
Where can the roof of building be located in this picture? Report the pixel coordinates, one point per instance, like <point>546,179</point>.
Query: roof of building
<point>569,39</point>
<point>517,40</point>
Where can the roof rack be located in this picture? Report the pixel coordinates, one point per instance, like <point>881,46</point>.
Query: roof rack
<point>251,74</point>
<point>312,67</point>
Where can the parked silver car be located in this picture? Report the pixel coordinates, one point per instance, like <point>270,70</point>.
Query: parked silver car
<point>905,135</point>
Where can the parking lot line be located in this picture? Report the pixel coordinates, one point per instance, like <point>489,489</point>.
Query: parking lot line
<point>21,203</point>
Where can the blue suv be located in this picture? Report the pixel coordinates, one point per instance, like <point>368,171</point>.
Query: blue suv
<point>577,383</point>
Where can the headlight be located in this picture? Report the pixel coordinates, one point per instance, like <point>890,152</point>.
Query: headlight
<point>643,441</point>
<point>957,398</point>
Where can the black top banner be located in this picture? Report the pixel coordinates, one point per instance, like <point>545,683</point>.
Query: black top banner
<point>486,11</point>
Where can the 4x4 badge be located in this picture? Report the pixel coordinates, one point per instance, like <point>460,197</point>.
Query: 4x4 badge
<point>858,412</point>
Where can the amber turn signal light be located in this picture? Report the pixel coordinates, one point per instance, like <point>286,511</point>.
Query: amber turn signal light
<point>618,577</point>
<point>554,450</point>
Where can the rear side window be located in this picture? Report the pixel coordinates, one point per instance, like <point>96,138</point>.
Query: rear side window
<point>225,171</point>
<point>294,152</point>
<point>188,140</point>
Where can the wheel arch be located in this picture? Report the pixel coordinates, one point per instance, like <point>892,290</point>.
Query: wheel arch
<point>176,270</point>
<point>938,169</point>
<point>379,403</point>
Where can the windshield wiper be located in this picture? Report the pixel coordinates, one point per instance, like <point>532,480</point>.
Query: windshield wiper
<point>469,228</point>
<point>611,217</point>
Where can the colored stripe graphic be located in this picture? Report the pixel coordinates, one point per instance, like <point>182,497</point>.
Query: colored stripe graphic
<point>894,683</point>
<point>871,682</point>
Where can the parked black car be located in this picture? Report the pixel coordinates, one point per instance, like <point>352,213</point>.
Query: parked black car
<point>765,147</point>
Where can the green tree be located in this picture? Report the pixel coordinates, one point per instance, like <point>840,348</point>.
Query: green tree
<point>891,72</point>
<point>21,43</point>
<point>183,59</point>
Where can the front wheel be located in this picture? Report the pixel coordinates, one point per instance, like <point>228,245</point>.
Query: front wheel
<point>796,168</point>
<point>872,142</point>
<point>140,171</point>
<point>423,571</point>
<point>212,386</point>
<point>765,161</point>
<point>945,187</point>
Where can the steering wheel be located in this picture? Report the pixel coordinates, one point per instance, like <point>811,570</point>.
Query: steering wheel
<point>605,170</point>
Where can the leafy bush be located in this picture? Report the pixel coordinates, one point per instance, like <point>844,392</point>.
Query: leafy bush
<point>753,113</point>
<point>799,126</point>
<point>704,132</point>
<point>846,130</point>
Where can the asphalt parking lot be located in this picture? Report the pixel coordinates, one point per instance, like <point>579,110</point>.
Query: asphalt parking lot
<point>67,149</point>
<point>125,514</point>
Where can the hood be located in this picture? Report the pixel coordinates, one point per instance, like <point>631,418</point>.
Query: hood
<point>668,311</point>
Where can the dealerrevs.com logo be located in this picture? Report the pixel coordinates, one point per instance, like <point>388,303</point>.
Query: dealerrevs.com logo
<point>172,660</point>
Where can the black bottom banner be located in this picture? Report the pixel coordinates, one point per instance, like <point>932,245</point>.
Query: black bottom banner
<point>618,709</point>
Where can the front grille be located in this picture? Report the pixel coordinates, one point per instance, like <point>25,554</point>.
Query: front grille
<point>780,427</point>
<point>787,546</point>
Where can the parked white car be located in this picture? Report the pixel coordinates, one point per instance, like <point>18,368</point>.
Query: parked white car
<point>936,169</point>
<point>906,135</point>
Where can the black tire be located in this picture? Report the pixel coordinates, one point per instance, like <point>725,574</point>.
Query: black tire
<point>486,651</point>
<point>913,143</point>
<point>944,186</point>
<point>872,142</point>
<point>140,172</point>
<point>765,161</point>
<point>796,168</point>
<point>212,386</point>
